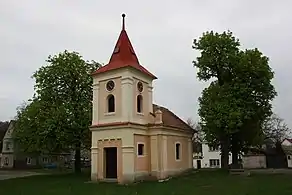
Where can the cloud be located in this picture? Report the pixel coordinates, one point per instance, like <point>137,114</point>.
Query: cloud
<point>161,33</point>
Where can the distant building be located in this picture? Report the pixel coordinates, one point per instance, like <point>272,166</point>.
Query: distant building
<point>12,157</point>
<point>210,157</point>
<point>287,148</point>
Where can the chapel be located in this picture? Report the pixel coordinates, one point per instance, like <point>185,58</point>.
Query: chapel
<point>132,138</point>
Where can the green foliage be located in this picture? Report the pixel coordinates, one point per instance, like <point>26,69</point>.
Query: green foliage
<point>33,131</point>
<point>237,102</point>
<point>59,115</point>
<point>218,55</point>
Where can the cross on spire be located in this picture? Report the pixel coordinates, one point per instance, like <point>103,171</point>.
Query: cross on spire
<point>123,15</point>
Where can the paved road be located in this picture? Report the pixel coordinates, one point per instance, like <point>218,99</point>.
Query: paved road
<point>15,174</point>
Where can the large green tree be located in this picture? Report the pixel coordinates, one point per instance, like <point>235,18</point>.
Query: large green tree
<point>237,101</point>
<point>59,116</point>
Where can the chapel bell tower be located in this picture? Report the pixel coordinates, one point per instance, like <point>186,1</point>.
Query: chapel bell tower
<point>122,89</point>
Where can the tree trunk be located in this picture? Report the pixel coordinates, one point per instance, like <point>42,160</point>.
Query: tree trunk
<point>77,163</point>
<point>235,151</point>
<point>37,163</point>
<point>224,154</point>
<point>234,157</point>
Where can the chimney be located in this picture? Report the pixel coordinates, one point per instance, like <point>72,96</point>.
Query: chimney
<point>158,116</point>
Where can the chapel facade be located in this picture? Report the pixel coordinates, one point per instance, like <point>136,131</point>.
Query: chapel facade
<point>132,138</point>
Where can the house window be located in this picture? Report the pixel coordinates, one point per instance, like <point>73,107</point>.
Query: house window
<point>6,161</point>
<point>111,103</point>
<point>177,151</point>
<point>140,149</point>
<point>213,148</point>
<point>7,146</point>
<point>139,103</point>
<point>45,160</point>
<point>28,160</point>
<point>214,162</point>
<point>289,157</point>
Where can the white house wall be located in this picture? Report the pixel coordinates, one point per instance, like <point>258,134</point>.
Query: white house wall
<point>289,161</point>
<point>286,143</point>
<point>207,155</point>
<point>288,157</point>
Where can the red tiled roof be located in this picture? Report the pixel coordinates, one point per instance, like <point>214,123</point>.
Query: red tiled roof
<point>171,120</point>
<point>289,140</point>
<point>124,56</point>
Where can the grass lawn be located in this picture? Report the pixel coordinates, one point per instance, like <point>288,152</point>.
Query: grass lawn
<point>201,183</point>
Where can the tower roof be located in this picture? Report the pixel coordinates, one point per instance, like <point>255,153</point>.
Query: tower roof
<point>124,55</point>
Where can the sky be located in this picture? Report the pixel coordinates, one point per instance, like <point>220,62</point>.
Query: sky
<point>161,33</point>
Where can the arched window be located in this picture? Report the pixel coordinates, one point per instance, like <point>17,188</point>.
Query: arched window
<point>177,151</point>
<point>139,104</point>
<point>110,103</point>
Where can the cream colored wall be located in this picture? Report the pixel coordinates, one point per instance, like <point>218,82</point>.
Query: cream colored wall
<point>160,142</point>
<point>146,94</point>
<point>101,144</point>
<point>125,84</point>
<point>104,116</point>
<point>154,151</point>
<point>127,140</point>
<point>128,151</point>
<point>99,114</point>
<point>183,162</point>
<point>142,163</point>
<point>163,163</point>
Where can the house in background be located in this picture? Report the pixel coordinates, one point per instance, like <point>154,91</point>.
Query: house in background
<point>11,157</point>
<point>132,138</point>
<point>273,154</point>
<point>197,153</point>
<point>7,147</point>
<point>287,148</point>
<point>3,129</point>
<point>210,157</point>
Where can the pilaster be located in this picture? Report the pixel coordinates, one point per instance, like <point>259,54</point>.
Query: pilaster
<point>154,154</point>
<point>127,98</point>
<point>94,164</point>
<point>150,97</point>
<point>95,102</point>
<point>164,154</point>
<point>128,164</point>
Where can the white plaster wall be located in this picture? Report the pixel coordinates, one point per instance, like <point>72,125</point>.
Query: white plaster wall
<point>207,155</point>
<point>253,162</point>
<point>289,161</point>
<point>286,143</point>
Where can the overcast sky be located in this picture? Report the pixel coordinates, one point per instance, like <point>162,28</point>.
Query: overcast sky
<point>161,32</point>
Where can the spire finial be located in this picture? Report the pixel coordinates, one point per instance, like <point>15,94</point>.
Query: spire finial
<point>123,15</point>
